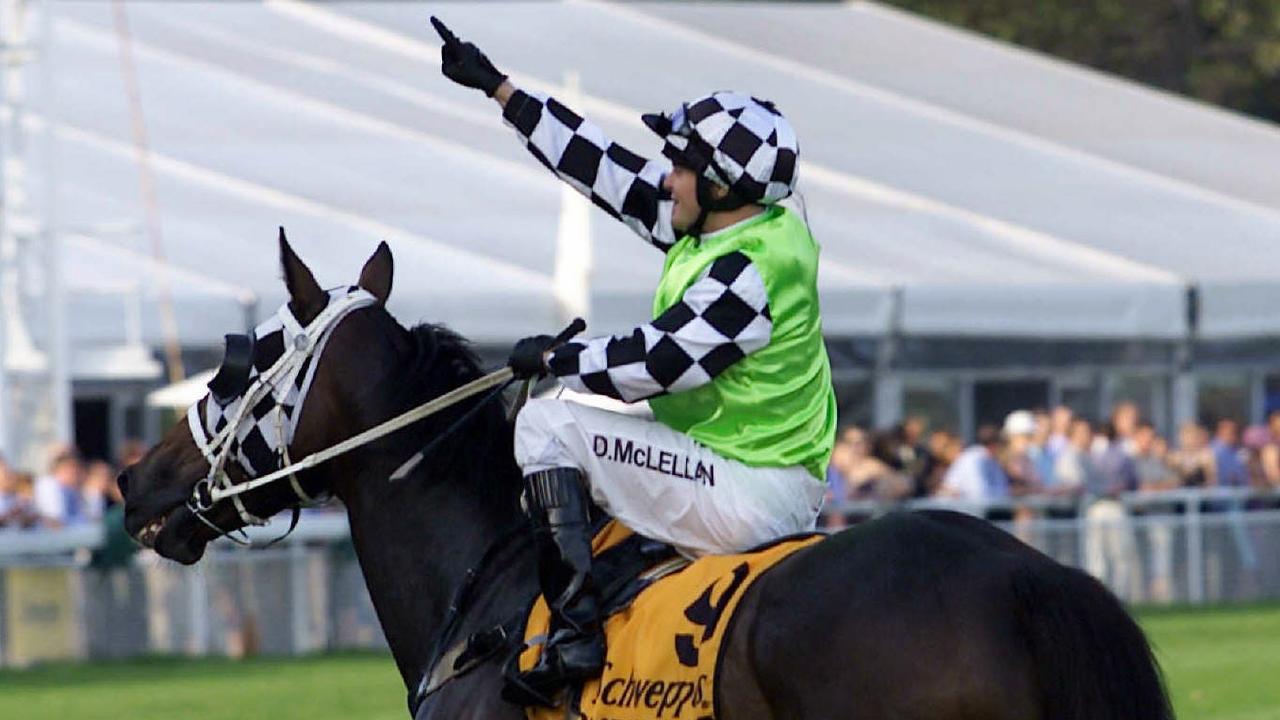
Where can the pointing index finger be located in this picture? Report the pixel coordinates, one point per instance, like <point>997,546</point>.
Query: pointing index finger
<point>445,33</point>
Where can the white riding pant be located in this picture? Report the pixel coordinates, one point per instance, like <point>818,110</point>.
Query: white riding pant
<point>662,483</point>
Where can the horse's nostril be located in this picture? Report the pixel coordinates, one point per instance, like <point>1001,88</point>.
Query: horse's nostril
<point>123,482</point>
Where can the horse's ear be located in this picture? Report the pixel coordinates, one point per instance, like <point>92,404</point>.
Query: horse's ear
<point>305,295</point>
<point>376,274</point>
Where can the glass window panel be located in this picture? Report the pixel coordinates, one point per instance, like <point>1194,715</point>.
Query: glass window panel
<point>1271,390</point>
<point>1223,395</point>
<point>854,403</point>
<point>1082,399</point>
<point>937,403</point>
<point>1148,391</point>
<point>994,400</point>
<point>1137,389</point>
<point>133,421</point>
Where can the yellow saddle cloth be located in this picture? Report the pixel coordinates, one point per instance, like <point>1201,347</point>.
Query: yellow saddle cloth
<point>663,649</point>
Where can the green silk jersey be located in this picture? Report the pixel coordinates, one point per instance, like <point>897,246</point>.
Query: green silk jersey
<point>775,407</point>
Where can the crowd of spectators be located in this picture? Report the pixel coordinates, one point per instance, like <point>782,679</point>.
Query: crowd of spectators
<point>1034,454</point>
<point>71,491</point>
<point>1055,464</point>
<point>1051,453</point>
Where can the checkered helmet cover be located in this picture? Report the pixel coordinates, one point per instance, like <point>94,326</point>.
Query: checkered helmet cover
<point>735,140</point>
<point>261,439</point>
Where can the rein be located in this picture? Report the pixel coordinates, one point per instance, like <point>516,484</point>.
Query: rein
<point>206,494</point>
<point>302,348</point>
<point>449,399</point>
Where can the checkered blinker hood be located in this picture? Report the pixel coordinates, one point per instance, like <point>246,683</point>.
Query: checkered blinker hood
<point>735,140</point>
<point>260,442</point>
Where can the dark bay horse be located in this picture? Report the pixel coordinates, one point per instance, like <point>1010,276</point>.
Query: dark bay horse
<point>915,616</point>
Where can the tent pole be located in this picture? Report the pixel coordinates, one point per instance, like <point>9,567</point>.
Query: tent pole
<point>9,11</point>
<point>571,278</point>
<point>1185,398</point>
<point>888,391</point>
<point>55,247</point>
<point>249,307</point>
<point>150,201</point>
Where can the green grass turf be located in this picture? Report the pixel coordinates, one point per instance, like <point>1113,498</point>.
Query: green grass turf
<point>345,686</point>
<point>1221,664</point>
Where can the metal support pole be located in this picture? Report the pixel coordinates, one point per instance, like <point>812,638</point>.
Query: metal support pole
<point>198,606</point>
<point>58,344</point>
<point>968,421</point>
<point>298,598</point>
<point>887,390</point>
<point>1185,402</point>
<point>1185,398</point>
<point>1107,395</point>
<point>1257,397</point>
<point>1195,551</point>
<point>1160,406</point>
<point>11,47</point>
<point>6,446</point>
<point>1185,410</point>
<point>20,235</point>
<point>150,202</point>
<point>571,276</point>
<point>249,307</point>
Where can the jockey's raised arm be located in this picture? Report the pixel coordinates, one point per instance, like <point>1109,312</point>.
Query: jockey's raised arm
<point>620,182</point>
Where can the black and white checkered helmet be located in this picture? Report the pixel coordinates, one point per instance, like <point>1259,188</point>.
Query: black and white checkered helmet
<point>735,140</point>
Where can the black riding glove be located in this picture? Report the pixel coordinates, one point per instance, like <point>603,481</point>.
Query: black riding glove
<point>463,63</point>
<point>527,357</point>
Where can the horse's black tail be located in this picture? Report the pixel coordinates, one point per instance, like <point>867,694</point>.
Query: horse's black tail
<point>1092,661</point>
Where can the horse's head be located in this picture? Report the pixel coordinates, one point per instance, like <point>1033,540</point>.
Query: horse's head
<point>304,380</point>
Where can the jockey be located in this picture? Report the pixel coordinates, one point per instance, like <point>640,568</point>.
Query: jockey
<point>733,363</point>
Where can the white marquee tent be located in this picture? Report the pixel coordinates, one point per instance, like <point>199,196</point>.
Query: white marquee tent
<point>959,186</point>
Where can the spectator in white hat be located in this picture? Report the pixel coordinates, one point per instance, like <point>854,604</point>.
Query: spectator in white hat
<point>1020,456</point>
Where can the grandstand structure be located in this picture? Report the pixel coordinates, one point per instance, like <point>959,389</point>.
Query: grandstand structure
<point>999,228</point>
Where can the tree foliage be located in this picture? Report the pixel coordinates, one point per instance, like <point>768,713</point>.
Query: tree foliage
<point>1225,52</point>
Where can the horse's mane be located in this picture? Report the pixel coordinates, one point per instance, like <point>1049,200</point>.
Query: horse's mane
<point>432,341</point>
<point>439,360</point>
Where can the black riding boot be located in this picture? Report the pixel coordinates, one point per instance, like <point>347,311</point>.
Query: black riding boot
<point>557,503</point>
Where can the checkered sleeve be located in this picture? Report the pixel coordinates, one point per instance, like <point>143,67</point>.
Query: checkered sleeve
<point>618,181</point>
<point>722,318</point>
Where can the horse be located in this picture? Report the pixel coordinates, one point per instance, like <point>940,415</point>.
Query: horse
<point>916,615</point>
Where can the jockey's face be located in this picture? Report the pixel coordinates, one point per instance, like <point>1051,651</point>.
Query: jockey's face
<point>682,183</point>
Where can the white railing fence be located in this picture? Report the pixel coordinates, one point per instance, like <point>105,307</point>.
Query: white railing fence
<point>307,593</point>
<point>1184,546</point>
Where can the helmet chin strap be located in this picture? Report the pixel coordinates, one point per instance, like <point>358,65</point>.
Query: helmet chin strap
<point>709,203</point>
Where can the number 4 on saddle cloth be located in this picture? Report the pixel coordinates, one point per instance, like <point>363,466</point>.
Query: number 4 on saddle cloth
<point>663,645</point>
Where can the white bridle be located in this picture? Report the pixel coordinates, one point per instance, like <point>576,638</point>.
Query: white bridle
<point>305,343</point>
<point>301,344</point>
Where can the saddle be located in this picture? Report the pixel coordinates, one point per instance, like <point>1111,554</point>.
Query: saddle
<point>664,628</point>
<point>666,618</point>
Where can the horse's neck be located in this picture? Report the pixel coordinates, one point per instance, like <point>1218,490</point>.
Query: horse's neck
<point>416,539</point>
